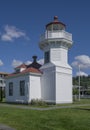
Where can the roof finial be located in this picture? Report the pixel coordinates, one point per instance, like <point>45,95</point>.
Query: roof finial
<point>55,18</point>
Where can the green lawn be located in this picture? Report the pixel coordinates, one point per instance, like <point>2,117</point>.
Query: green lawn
<point>59,119</point>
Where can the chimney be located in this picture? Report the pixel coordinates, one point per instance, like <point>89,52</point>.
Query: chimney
<point>34,59</point>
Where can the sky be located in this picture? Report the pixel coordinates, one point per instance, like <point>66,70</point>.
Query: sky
<point>23,21</point>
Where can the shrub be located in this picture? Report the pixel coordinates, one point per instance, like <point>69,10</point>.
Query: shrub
<point>38,102</point>
<point>75,91</point>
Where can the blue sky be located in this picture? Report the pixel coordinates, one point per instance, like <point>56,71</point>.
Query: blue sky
<point>22,22</point>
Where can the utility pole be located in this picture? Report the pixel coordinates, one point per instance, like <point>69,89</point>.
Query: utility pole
<point>79,82</point>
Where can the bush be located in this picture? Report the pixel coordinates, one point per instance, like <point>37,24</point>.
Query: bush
<point>75,91</point>
<point>38,102</point>
<point>88,92</point>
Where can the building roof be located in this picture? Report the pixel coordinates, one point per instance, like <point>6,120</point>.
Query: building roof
<point>32,68</point>
<point>21,66</point>
<point>34,64</point>
<point>55,22</point>
<point>28,70</point>
<point>3,73</point>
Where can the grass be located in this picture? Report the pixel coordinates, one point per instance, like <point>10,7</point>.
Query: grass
<point>58,119</point>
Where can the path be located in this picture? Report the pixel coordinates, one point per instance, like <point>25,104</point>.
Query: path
<point>5,127</point>
<point>42,109</point>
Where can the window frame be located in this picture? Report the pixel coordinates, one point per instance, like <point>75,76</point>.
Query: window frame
<point>22,88</point>
<point>10,88</point>
<point>47,56</point>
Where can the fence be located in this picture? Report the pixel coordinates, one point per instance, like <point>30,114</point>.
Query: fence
<point>81,96</point>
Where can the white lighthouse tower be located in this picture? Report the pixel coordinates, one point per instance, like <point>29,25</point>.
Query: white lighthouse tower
<point>56,81</point>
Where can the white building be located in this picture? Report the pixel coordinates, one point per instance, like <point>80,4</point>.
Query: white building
<point>51,82</point>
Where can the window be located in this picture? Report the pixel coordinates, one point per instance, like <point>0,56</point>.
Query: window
<point>10,89</point>
<point>55,27</point>
<point>22,88</point>
<point>1,81</point>
<point>47,57</point>
<point>17,70</point>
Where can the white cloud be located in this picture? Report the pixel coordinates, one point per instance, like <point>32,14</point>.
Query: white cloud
<point>41,61</point>
<point>28,62</point>
<point>81,73</point>
<point>1,63</point>
<point>83,61</point>
<point>11,33</point>
<point>16,63</point>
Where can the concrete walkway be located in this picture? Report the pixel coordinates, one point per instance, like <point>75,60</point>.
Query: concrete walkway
<point>42,109</point>
<point>4,127</point>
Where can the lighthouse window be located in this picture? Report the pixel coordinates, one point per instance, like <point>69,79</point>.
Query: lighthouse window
<point>47,57</point>
<point>55,27</point>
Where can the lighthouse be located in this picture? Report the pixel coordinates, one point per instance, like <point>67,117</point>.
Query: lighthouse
<point>50,82</point>
<point>56,80</point>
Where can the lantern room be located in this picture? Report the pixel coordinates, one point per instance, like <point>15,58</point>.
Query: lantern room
<point>55,25</point>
